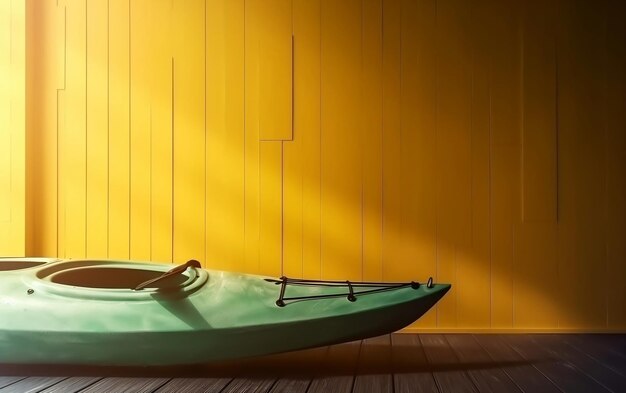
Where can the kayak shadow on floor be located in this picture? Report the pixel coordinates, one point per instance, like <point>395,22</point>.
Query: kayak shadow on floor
<point>337,360</point>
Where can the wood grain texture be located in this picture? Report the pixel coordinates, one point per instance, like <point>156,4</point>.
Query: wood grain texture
<point>194,385</point>
<point>72,385</point>
<point>32,384</point>
<point>125,384</point>
<point>523,373</point>
<point>564,375</point>
<point>589,366</point>
<point>7,381</point>
<point>469,352</point>
<point>341,363</point>
<point>374,371</point>
<point>442,359</point>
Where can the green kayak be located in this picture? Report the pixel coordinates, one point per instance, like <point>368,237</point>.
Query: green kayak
<point>128,313</point>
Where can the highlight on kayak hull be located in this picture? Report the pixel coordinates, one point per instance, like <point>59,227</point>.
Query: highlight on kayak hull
<point>129,313</point>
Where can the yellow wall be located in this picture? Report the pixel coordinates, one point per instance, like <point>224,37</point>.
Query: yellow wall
<point>481,142</point>
<point>12,125</point>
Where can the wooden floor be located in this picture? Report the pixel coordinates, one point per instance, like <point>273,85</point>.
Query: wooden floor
<point>396,363</point>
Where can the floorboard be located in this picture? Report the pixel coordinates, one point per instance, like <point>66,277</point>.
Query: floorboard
<point>249,385</point>
<point>374,373</point>
<point>125,385</point>
<point>6,381</point>
<point>565,375</point>
<point>194,385</point>
<point>521,371</point>
<point>400,363</point>
<point>296,370</point>
<point>587,365</point>
<point>449,375</point>
<point>340,367</point>
<point>31,384</point>
<point>71,385</point>
<point>488,377</point>
<point>601,350</point>
<point>411,371</point>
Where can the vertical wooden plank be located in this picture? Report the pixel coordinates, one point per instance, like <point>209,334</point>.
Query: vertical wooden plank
<point>293,208</point>
<point>371,124</point>
<point>307,84</point>
<point>539,117</point>
<point>225,135</point>
<point>534,302</point>
<point>61,58</point>
<point>61,187</point>
<point>12,122</point>
<point>140,128</point>
<point>217,229</point>
<point>161,132</point>
<point>453,146</point>
<point>582,160</point>
<point>119,122</point>
<point>474,294</point>
<point>270,208</point>
<point>235,131</point>
<point>6,129</point>
<point>252,137</point>
<point>97,130</point>
<point>41,130</point>
<point>274,34</point>
<point>616,162</point>
<point>391,139</point>
<point>505,110</point>
<point>18,127</point>
<point>74,137</point>
<point>189,125</point>
<point>341,140</point>
<point>418,139</point>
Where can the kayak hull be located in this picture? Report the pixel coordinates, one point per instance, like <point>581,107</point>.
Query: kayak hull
<point>206,316</point>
